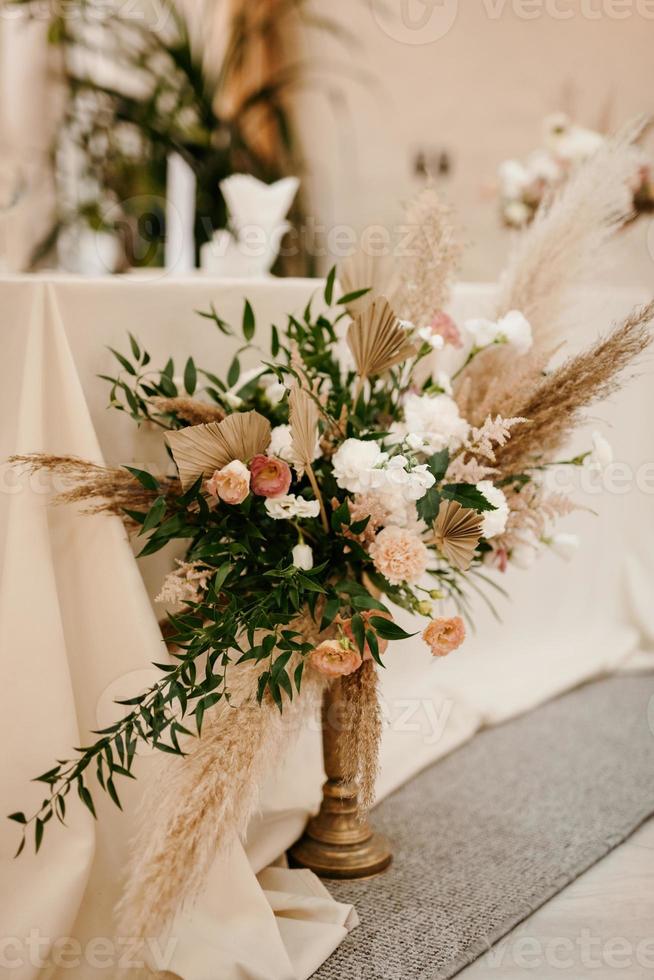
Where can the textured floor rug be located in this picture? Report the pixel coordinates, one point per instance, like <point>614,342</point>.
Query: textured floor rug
<point>494,830</point>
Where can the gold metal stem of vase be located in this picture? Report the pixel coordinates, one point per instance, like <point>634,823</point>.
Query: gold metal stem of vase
<point>338,842</point>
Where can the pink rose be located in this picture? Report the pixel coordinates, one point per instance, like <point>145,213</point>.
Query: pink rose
<point>444,635</point>
<point>445,327</point>
<point>334,659</point>
<point>231,483</point>
<point>346,625</point>
<point>271,477</point>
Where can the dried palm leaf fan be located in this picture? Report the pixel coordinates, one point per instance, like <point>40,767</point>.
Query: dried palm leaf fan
<point>457,531</point>
<point>378,340</point>
<point>364,271</point>
<point>200,449</point>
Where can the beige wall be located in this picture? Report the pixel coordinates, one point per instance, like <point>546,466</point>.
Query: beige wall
<point>480,91</point>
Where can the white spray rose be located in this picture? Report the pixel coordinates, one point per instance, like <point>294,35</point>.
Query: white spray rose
<point>303,557</point>
<point>289,506</point>
<point>513,328</point>
<point>493,521</point>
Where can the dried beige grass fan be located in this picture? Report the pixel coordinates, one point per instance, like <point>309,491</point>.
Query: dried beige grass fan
<point>200,449</point>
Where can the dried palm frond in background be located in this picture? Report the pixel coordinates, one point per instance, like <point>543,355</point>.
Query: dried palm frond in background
<point>105,490</point>
<point>377,340</point>
<point>361,270</point>
<point>431,259</point>
<point>303,420</point>
<point>457,531</point>
<point>191,410</point>
<point>201,449</point>
<point>554,409</point>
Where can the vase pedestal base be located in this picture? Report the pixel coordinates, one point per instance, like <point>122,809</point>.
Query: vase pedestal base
<point>342,861</point>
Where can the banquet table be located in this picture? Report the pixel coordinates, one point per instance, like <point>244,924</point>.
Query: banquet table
<point>78,628</point>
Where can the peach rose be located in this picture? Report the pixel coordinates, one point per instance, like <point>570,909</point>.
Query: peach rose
<point>445,327</point>
<point>444,635</point>
<point>271,477</point>
<point>346,625</point>
<point>335,659</point>
<point>231,483</point>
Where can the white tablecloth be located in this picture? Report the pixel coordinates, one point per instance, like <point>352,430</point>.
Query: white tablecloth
<point>77,629</point>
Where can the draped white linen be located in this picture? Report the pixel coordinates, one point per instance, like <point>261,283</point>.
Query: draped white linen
<point>77,629</point>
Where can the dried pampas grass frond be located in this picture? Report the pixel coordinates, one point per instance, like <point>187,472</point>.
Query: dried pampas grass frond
<point>199,804</point>
<point>554,409</point>
<point>378,341</point>
<point>190,410</point>
<point>201,449</point>
<point>560,249</point>
<point>428,269</point>
<point>103,489</point>
<point>457,531</point>
<point>363,720</point>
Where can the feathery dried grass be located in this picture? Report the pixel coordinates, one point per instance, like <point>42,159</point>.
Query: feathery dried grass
<point>103,489</point>
<point>201,449</point>
<point>201,803</point>
<point>427,271</point>
<point>494,388</point>
<point>359,747</point>
<point>555,407</point>
<point>191,410</point>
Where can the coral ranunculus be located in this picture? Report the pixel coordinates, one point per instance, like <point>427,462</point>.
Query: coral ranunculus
<point>333,658</point>
<point>271,477</point>
<point>444,635</point>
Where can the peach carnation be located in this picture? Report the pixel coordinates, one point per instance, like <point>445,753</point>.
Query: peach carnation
<point>335,659</point>
<point>271,477</point>
<point>399,555</point>
<point>346,625</point>
<point>231,483</point>
<point>444,635</point>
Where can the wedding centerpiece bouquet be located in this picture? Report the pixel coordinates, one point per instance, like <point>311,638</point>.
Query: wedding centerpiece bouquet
<point>524,185</point>
<point>379,456</point>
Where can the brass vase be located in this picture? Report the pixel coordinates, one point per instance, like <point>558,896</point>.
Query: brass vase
<point>338,842</point>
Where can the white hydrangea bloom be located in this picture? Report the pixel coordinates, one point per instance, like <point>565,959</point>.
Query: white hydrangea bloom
<point>436,419</point>
<point>358,465</point>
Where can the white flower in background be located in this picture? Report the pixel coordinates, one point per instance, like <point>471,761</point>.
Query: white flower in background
<point>273,389</point>
<point>493,521</point>
<point>525,553</point>
<point>303,557</point>
<point>232,399</point>
<point>415,442</point>
<point>436,419</point>
<point>564,545</point>
<point>435,341</point>
<point>444,382</point>
<point>513,328</point>
<point>281,445</point>
<point>289,506</point>
<point>514,178</point>
<point>357,465</point>
<point>406,325</point>
<point>601,455</point>
<point>517,213</point>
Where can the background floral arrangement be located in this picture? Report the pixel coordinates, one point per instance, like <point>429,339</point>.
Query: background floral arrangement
<point>524,185</point>
<point>380,456</point>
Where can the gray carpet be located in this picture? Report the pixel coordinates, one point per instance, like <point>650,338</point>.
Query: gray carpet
<point>494,830</point>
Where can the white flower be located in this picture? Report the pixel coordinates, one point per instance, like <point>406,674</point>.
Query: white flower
<point>435,340</point>
<point>514,178</point>
<point>412,482</point>
<point>524,554</point>
<point>493,521</point>
<point>281,445</point>
<point>517,213</point>
<point>289,506</point>
<point>601,454</point>
<point>513,328</point>
<point>406,325</point>
<point>274,390</point>
<point>436,419</point>
<point>303,557</point>
<point>414,441</point>
<point>444,382</point>
<point>357,465</point>
<point>232,399</point>
<point>564,545</point>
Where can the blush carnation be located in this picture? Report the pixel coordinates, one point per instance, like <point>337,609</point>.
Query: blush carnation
<point>333,658</point>
<point>271,477</point>
<point>231,484</point>
<point>399,555</point>
<point>444,635</point>
<point>444,326</point>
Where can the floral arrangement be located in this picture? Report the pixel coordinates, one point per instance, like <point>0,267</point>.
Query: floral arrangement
<point>379,456</point>
<point>525,185</point>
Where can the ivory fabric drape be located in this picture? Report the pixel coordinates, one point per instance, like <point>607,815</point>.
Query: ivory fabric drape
<point>78,629</point>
